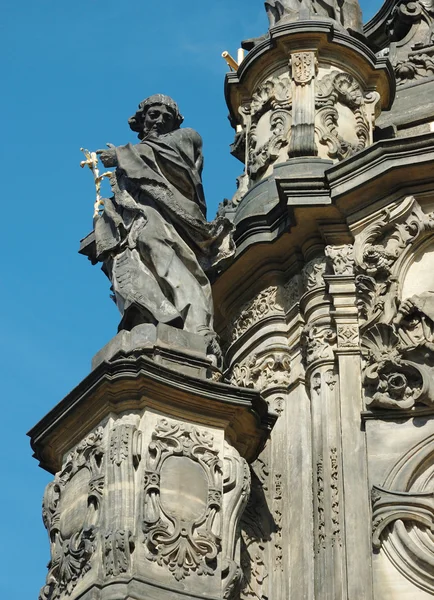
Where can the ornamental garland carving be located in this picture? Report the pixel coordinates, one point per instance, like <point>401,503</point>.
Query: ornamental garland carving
<point>336,89</point>
<point>177,538</point>
<point>403,515</point>
<point>263,372</point>
<point>73,536</point>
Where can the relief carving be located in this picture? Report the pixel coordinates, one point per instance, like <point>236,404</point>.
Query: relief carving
<point>341,259</point>
<point>321,540</point>
<point>263,372</point>
<point>312,273</point>
<point>117,550</point>
<point>257,526</point>
<point>391,378</point>
<point>266,124</point>
<point>334,474</point>
<point>397,337</point>
<point>278,520</point>
<point>403,515</point>
<point>340,92</point>
<point>303,67</point>
<point>292,291</point>
<point>72,533</point>
<point>377,250</point>
<point>348,335</point>
<point>183,533</point>
<point>318,343</point>
<point>236,492</point>
<point>265,304</point>
<point>411,29</point>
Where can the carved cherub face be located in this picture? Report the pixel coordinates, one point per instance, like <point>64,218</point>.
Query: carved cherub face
<point>159,119</point>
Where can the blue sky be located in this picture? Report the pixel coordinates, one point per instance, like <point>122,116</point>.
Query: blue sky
<point>72,74</point>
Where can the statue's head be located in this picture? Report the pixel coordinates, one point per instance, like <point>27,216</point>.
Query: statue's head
<point>159,114</point>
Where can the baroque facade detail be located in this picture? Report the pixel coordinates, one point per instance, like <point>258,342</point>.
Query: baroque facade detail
<point>257,526</point>
<point>73,537</point>
<point>265,304</point>
<point>342,89</point>
<point>395,335</point>
<point>341,258</point>
<point>183,542</point>
<point>270,105</point>
<point>403,515</point>
<point>410,30</point>
<point>263,372</point>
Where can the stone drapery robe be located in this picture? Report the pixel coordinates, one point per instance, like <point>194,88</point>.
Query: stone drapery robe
<point>153,236</point>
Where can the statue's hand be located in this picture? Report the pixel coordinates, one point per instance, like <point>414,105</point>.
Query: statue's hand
<point>108,157</point>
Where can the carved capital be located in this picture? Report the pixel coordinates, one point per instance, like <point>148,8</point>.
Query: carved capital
<point>272,370</point>
<point>341,259</point>
<point>303,67</point>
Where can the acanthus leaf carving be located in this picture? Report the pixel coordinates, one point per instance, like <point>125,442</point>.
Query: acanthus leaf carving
<point>377,250</point>
<point>117,551</point>
<point>341,258</point>
<point>73,543</point>
<point>318,342</point>
<point>313,273</point>
<point>272,370</point>
<point>341,88</point>
<point>265,304</point>
<point>182,544</point>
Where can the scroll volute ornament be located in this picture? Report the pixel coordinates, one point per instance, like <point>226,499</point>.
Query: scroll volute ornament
<point>71,513</point>
<point>183,533</point>
<point>344,117</point>
<point>267,122</point>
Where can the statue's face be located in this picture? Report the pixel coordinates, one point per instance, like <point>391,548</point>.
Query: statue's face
<point>159,119</point>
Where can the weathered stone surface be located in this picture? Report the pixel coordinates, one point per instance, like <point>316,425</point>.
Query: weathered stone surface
<point>167,484</point>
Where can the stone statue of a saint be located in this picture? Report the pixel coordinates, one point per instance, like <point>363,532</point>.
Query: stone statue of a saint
<point>152,237</point>
<point>346,13</point>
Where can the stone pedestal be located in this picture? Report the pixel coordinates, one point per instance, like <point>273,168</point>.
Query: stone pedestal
<point>151,479</point>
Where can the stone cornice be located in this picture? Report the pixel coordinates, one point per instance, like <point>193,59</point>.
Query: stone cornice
<point>301,34</point>
<point>131,384</point>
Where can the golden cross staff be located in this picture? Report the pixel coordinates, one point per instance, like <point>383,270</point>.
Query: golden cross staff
<point>92,162</point>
